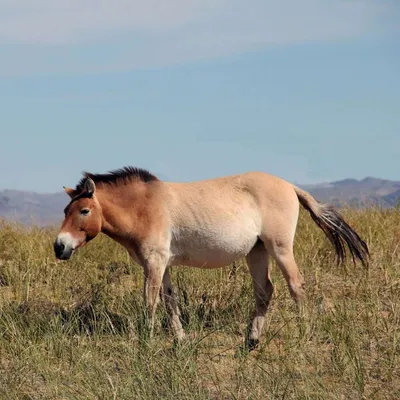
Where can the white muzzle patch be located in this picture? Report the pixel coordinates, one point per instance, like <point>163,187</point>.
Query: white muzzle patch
<point>67,240</point>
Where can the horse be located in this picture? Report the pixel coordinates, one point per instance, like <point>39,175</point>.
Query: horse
<point>207,223</point>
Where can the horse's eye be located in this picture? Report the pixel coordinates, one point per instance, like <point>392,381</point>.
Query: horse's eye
<point>85,211</point>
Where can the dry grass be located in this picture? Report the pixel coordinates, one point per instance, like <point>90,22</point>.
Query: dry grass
<point>73,330</point>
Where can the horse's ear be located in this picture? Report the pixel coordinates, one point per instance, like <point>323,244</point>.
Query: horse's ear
<point>90,187</point>
<point>70,192</point>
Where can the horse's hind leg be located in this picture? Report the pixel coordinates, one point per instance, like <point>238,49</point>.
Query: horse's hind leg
<point>282,252</point>
<point>278,237</point>
<point>257,261</point>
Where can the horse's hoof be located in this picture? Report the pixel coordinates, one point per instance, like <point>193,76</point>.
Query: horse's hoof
<point>252,344</point>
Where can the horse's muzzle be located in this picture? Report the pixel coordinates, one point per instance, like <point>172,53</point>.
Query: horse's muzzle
<point>62,251</point>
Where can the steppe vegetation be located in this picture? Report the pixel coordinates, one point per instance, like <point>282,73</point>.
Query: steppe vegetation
<point>73,330</point>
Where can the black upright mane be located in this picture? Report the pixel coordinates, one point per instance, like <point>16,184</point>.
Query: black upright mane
<point>122,175</point>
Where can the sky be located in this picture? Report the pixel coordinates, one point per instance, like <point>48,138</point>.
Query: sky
<point>193,89</point>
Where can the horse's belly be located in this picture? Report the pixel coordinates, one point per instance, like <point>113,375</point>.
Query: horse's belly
<point>211,249</point>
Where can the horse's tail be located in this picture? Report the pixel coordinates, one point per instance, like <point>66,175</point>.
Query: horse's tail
<point>335,228</point>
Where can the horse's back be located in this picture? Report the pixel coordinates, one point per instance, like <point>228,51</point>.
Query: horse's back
<point>252,189</point>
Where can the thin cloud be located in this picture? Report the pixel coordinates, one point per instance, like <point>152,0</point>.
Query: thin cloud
<point>71,22</point>
<point>97,35</point>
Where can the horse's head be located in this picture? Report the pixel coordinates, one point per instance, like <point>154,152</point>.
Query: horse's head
<point>82,222</point>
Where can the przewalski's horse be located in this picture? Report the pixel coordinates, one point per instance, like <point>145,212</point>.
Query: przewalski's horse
<point>204,224</point>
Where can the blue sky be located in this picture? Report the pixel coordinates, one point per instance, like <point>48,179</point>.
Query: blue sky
<point>194,89</point>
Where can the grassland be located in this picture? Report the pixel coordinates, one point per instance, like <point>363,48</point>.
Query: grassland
<point>73,330</point>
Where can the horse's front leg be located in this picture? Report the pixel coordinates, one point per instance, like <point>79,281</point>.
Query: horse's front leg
<point>171,302</point>
<point>154,269</point>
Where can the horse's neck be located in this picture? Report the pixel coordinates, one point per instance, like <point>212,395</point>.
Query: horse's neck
<point>118,223</point>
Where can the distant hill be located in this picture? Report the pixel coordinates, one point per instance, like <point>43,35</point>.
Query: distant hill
<point>32,208</point>
<point>46,209</point>
<point>357,193</point>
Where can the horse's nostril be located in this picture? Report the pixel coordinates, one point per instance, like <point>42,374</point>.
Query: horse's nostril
<point>59,248</point>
